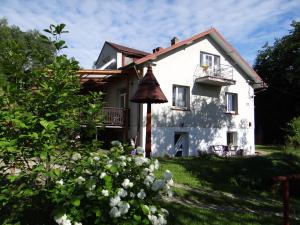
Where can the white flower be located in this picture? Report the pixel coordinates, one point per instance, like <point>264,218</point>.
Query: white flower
<point>116,143</point>
<point>76,156</point>
<point>122,193</point>
<point>114,212</point>
<point>63,220</point>
<point>96,158</point>
<point>102,175</point>
<point>141,194</point>
<point>128,159</point>
<point>92,187</point>
<point>117,174</point>
<point>145,171</point>
<point>148,180</point>
<point>123,164</point>
<point>168,175</point>
<point>77,223</point>
<point>151,168</point>
<point>140,151</point>
<point>114,201</point>
<point>152,209</point>
<point>126,183</point>
<point>156,164</point>
<point>123,207</point>
<point>109,163</point>
<point>80,180</point>
<point>61,182</point>
<point>132,195</point>
<point>161,219</point>
<point>170,182</point>
<point>104,192</point>
<point>164,211</point>
<point>153,219</point>
<point>141,160</point>
<point>87,172</point>
<point>158,185</point>
<point>122,157</point>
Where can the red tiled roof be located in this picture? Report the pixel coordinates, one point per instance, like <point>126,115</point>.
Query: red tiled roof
<point>127,50</point>
<point>172,47</point>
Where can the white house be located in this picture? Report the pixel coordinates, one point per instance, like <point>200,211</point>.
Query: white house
<point>210,90</point>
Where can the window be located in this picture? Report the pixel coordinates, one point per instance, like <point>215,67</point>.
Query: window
<point>122,99</point>
<point>181,97</point>
<point>231,138</point>
<point>231,103</point>
<point>210,60</point>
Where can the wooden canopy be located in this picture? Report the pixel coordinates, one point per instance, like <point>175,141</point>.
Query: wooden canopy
<point>148,90</point>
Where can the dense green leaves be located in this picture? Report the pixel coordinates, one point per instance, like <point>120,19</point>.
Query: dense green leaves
<point>41,113</point>
<point>279,66</point>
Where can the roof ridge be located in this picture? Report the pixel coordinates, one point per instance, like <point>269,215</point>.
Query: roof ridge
<point>124,48</point>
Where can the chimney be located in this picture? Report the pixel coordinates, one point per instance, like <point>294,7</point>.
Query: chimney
<point>174,40</point>
<point>157,49</point>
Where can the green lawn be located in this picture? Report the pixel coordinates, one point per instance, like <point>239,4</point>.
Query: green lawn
<point>214,190</point>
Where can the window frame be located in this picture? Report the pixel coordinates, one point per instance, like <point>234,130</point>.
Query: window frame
<point>174,97</point>
<point>235,102</point>
<point>214,56</point>
<point>234,138</point>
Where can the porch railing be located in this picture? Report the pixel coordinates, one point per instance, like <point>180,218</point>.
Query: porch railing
<point>112,116</point>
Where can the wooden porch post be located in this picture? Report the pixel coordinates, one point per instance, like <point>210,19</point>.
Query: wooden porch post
<point>148,131</point>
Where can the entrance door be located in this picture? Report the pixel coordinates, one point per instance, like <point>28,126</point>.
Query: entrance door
<point>181,144</point>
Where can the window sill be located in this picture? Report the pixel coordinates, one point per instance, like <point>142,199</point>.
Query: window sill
<point>180,109</point>
<point>231,113</point>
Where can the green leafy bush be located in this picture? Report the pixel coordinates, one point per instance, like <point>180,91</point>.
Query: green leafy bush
<point>47,174</point>
<point>91,188</point>
<point>293,137</point>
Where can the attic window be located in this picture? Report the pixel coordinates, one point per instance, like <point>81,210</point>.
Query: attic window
<point>209,60</point>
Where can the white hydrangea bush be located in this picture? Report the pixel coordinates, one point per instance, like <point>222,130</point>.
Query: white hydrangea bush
<point>111,188</point>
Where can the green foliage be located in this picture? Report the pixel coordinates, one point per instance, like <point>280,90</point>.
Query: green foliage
<point>279,66</point>
<point>47,174</point>
<point>21,52</point>
<point>293,137</point>
<point>41,113</point>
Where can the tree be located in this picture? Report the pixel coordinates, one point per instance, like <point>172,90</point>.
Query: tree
<point>279,66</point>
<point>21,52</point>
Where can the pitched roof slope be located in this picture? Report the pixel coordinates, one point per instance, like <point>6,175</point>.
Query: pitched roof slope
<point>127,50</point>
<point>217,37</point>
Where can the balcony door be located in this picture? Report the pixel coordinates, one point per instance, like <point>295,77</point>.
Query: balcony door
<point>209,62</point>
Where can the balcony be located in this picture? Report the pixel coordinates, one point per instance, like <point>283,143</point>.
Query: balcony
<point>115,117</point>
<point>216,75</point>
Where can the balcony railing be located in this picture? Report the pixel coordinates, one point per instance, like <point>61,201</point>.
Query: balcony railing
<point>115,117</point>
<point>215,75</point>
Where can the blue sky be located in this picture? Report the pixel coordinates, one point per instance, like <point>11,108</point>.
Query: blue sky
<point>144,25</point>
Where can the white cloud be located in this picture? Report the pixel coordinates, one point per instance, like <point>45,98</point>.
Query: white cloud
<point>147,24</point>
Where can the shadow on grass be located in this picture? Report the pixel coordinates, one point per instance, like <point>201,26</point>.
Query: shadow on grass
<point>238,175</point>
<point>182,215</point>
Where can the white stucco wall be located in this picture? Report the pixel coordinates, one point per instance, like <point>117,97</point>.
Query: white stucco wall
<point>206,123</point>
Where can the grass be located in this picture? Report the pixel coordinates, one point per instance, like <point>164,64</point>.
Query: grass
<point>214,190</point>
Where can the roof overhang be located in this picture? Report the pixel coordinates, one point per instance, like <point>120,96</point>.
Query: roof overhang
<point>254,78</point>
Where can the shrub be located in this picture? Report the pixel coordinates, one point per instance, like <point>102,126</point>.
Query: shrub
<point>293,137</point>
<point>92,188</point>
